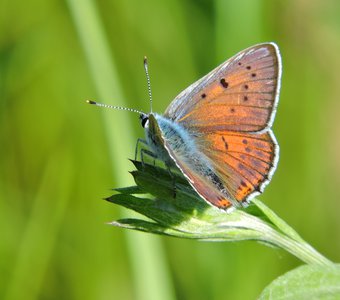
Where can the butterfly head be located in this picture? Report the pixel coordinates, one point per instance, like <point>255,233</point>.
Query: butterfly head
<point>144,120</point>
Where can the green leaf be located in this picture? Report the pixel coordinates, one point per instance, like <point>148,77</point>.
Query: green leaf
<point>129,190</point>
<point>306,282</point>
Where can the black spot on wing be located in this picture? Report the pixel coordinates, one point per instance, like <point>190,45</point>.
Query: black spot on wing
<point>224,83</point>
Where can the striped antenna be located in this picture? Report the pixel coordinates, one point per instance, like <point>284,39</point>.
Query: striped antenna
<point>148,80</point>
<point>114,107</point>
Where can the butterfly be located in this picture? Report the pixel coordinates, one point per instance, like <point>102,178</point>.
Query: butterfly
<point>217,132</point>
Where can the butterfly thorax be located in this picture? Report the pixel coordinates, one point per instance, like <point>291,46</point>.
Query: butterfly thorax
<point>157,128</point>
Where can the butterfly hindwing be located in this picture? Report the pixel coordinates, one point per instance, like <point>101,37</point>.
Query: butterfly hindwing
<point>246,162</point>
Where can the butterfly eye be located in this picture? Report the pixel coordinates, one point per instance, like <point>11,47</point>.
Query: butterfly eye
<point>146,123</point>
<point>144,119</point>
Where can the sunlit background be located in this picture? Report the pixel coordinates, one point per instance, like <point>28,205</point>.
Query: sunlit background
<point>59,157</point>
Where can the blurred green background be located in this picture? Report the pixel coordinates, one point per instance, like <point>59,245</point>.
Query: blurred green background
<point>59,156</point>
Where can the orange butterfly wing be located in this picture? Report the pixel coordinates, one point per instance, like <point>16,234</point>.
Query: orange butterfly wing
<point>229,113</point>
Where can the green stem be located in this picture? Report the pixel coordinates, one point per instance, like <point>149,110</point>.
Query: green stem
<point>297,247</point>
<point>303,251</point>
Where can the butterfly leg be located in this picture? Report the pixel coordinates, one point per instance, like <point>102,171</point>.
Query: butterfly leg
<point>149,153</point>
<point>139,141</point>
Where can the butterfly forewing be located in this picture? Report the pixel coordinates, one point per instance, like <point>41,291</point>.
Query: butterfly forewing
<point>239,95</point>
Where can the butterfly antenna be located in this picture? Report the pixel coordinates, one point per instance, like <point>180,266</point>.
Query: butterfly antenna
<point>148,80</point>
<point>114,107</point>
